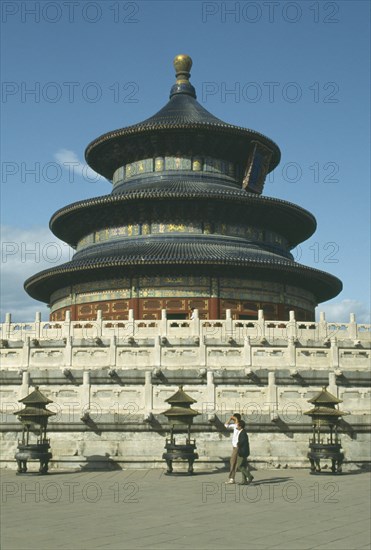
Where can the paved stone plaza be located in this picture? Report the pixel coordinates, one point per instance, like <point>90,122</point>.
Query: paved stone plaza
<point>129,509</point>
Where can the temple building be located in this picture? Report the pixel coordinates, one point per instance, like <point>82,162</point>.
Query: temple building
<point>186,226</point>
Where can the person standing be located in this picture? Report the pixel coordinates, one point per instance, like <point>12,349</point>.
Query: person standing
<point>232,425</point>
<point>243,451</point>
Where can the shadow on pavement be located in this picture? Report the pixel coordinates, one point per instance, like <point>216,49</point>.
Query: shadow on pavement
<point>100,463</point>
<point>272,480</point>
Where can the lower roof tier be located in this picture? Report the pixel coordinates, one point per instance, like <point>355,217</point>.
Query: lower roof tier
<point>170,246</point>
<point>178,257</point>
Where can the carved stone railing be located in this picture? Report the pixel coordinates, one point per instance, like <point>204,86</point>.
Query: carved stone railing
<point>222,330</point>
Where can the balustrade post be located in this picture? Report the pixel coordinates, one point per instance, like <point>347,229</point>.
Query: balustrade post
<point>292,351</point>
<point>26,352</point>
<point>6,326</point>
<point>66,325</point>
<point>195,324</point>
<point>352,327</point>
<point>148,392</point>
<point>272,393</point>
<point>85,390</point>
<point>334,352</point>
<point>292,325</point>
<point>99,323</point>
<point>228,324</point>
<point>210,389</point>
<point>112,350</point>
<point>163,324</point>
<point>261,324</point>
<point>322,326</point>
<point>202,352</point>
<point>131,321</point>
<point>157,352</point>
<point>37,324</point>
<point>25,385</point>
<point>68,352</point>
<point>247,350</point>
<point>332,386</point>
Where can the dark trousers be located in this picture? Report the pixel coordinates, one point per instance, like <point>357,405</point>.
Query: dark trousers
<point>233,463</point>
<point>243,467</point>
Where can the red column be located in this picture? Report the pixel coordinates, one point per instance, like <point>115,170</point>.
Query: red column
<point>214,308</point>
<point>134,305</point>
<point>74,313</point>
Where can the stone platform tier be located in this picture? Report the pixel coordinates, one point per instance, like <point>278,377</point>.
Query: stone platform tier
<point>109,381</point>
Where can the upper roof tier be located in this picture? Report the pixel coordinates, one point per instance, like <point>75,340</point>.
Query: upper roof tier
<point>184,127</point>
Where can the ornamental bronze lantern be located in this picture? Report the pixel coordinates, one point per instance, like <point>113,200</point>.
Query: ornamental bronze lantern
<point>325,417</point>
<point>179,415</point>
<point>34,418</point>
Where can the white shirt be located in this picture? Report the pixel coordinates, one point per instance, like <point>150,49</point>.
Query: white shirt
<point>236,431</point>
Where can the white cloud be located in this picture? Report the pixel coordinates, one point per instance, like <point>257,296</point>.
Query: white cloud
<point>71,163</point>
<point>339,312</point>
<point>25,253</point>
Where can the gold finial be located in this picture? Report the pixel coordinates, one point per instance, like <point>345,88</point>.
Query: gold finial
<point>182,66</point>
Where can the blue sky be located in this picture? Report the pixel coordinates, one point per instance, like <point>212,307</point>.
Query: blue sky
<point>296,71</point>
